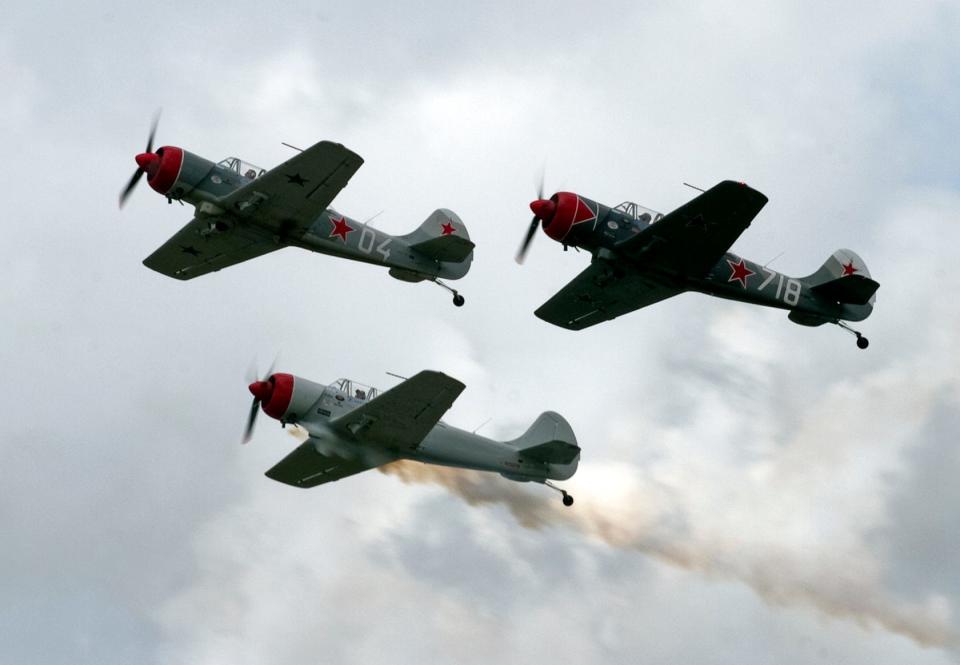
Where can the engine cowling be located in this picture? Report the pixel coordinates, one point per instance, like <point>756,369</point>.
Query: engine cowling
<point>569,218</point>
<point>172,171</point>
<point>286,397</point>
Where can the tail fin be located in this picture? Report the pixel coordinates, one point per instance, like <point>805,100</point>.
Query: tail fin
<point>844,278</point>
<point>443,237</point>
<point>549,440</point>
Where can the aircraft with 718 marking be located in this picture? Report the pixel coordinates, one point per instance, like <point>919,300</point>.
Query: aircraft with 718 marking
<point>243,211</point>
<point>641,257</point>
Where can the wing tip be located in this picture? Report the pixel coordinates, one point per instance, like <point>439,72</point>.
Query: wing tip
<point>736,187</point>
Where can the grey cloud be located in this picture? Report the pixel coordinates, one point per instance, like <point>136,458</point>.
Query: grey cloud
<point>128,503</point>
<point>923,532</point>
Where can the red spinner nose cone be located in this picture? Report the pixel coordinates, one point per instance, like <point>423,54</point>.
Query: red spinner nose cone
<point>261,390</point>
<point>543,209</point>
<point>148,162</point>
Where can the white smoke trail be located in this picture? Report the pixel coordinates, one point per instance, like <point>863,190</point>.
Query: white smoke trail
<point>791,522</point>
<point>633,515</point>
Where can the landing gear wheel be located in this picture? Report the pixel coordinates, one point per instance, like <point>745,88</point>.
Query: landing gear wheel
<point>862,342</point>
<point>458,300</point>
<point>567,499</point>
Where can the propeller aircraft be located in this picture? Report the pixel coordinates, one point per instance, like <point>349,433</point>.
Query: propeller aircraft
<point>243,211</point>
<point>353,428</point>
<point>641,257</point>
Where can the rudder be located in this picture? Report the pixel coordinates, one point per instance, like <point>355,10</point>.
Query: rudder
<point>844,278</point>
<point>442,237</point>
<point>550,440</point>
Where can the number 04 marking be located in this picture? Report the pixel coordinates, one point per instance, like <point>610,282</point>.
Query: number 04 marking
<point>367,239</point>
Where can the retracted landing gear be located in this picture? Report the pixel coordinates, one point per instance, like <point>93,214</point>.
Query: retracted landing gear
<point>567,498</point>
<point>862,342</point>
<point>458,299</point>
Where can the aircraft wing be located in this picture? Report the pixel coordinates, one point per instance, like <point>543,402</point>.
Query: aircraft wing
<point>307,467</point>
<point>299,190</point>
<point>403,415</point>
<point>599,294</point>
<point>199,247</point>
<point>691,239</point>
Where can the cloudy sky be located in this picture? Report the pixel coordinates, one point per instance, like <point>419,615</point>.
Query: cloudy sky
<point>750,490</point>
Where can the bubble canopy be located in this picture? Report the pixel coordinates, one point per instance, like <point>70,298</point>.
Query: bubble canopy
<point>242,168</point>
<point>354,389</point>
<point>638,212</point>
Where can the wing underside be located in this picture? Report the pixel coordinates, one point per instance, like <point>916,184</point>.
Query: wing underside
<point>307,467</point>
<point>292,195</point>
<point>207,245</point>
<point>691,239</point>
<point>599,294</point>
<point>402,416</point>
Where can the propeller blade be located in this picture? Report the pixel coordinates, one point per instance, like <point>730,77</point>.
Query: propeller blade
<point>125,194</point>
<point>251,421</point>
<point>531,231</point>
<point>153,132</point>
<point>272,365</point>
<point>251,374</point>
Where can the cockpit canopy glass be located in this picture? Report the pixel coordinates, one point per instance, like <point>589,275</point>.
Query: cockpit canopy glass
<point>638,212</point>
<point>354,389</point>
<point>240,167</point>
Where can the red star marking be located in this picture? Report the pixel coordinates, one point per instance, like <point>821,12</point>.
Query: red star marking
<point>739,272</point>
<point>340,229</point>
<point>849,268</point>
<point>448,229</point>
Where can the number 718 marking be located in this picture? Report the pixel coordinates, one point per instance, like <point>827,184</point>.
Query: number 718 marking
<point>790,295</point>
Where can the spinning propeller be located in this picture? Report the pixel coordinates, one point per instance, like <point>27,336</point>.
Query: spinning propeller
<point>147,162</point>
<point>262,390</point>
<point>543,210</point>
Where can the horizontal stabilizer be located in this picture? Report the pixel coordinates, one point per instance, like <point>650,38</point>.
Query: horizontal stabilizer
<point>552,452</point>
<point>451,248</point>
<point>850,290</point>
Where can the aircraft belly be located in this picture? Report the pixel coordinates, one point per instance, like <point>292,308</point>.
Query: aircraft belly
<point>737,293</point>
<point>449,446</point>
<point>800,299</point>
